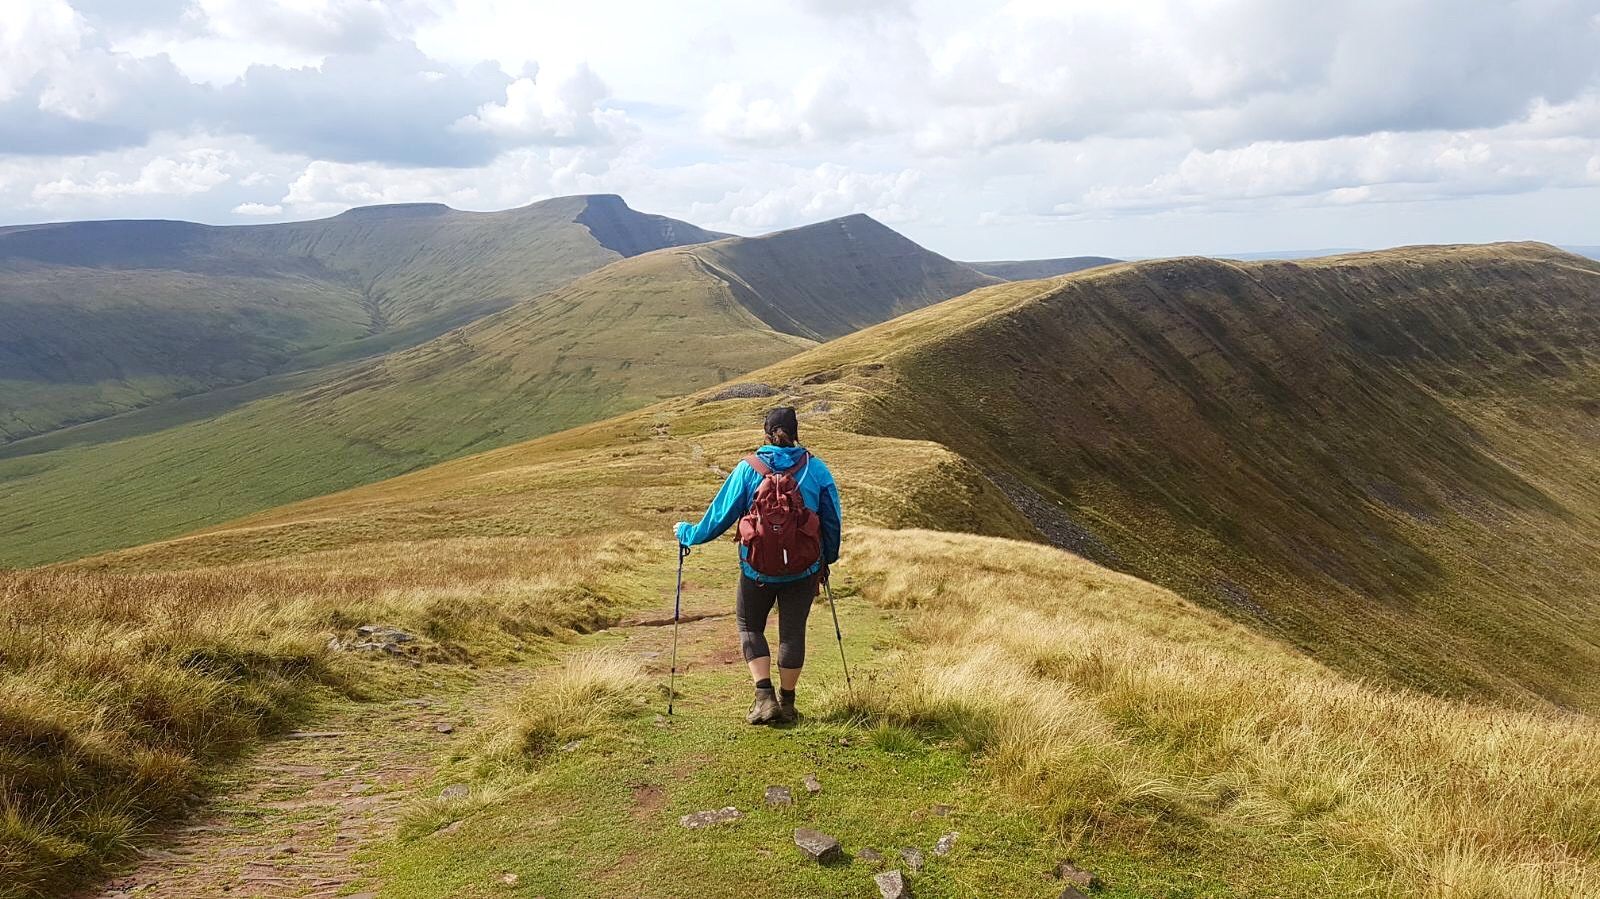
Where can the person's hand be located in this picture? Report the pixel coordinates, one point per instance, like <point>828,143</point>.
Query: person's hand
<point>823,572</point>
<point>680,531</point>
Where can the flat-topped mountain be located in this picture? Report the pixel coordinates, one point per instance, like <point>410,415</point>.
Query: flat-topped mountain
<point>100,317</point>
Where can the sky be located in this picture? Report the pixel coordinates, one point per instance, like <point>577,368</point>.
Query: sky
<point>982,130</point>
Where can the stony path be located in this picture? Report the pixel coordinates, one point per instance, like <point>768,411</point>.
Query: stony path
<point>289,820</point>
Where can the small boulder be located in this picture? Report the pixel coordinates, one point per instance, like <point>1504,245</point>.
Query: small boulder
<point>510,878</point>
<point>817,846</point>
<point>812,785</point>
<point>946,843</point>
<point>871,856</point>
<point>571,746</point>
<point>697,820</point>
<point>369,646</point>
<point>455,791</point>
<point>913,859</point>
<point>1076,876</point>
<point>779,797</point>
<point>892,885</point>
<point>746,390</point>
<point>445,728</point>
<point>383,633</point>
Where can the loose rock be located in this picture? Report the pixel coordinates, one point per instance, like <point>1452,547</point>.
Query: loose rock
<point>747,390</point>
<point>942,810</point>
<point>1076,876</point>
<point>455,791</point>
<point>1072,893</point>
<point>812,785</point>
<point>445,728</point>
<point>818,846</point>
<point>571,746</point>
<point>698,820</point>
<point>510,878</point>
<point>913,859</point>
<point>892,885</point>
<point>383,633</point>
<point>779,796</point>
<point>946,843</point>
<point>871,856</point>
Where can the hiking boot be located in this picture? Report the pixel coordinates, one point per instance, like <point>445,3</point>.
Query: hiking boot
<point>787,713</point>
<point>765,708</point>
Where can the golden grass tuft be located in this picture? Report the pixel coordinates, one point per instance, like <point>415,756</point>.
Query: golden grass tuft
<point>579,699</point>
<point>1124,713</point>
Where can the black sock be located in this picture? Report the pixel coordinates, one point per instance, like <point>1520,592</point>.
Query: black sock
<point>787,694</point>
<point>764,684</point>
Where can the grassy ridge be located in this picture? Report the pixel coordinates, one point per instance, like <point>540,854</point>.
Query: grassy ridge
<point>1034,269</point>
<point>1156,740</point>
<point>102,317</point>
<point>1151,739</point>
<point>628,335</point>
<point>1387,458</point>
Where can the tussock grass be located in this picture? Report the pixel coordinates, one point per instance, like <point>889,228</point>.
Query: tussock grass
<point>1134,719</point>
<point>579,699</point>
<point>118,689</point>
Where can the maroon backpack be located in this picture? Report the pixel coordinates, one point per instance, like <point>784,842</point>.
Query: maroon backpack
<point>780,535</point>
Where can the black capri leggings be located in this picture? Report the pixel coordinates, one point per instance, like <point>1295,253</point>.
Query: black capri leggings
<point>755,601</point>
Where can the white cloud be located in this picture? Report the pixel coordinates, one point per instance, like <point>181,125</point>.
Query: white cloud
<point>319,26</point>
<point>548,108</point>
<point>36,38</point>
<point>258,209</point>
<point>192,172</point>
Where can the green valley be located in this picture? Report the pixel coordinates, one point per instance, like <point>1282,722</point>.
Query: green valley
<point>629,334</point>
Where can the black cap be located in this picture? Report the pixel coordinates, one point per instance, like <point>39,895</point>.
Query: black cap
<point>783,418</point>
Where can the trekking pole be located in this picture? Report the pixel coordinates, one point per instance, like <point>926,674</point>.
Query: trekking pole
<point>839,636</point>
<point>677,607</point>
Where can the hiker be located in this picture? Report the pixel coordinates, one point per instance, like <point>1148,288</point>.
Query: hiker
<point>784,553</point>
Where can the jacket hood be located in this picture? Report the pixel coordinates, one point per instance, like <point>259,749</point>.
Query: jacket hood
<point>781,458</point>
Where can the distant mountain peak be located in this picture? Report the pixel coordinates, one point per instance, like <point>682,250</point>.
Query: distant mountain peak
<point>395,210</point>
<point>626,231</point>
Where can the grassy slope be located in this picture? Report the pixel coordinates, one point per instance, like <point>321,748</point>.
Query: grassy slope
<point>1331,451</point>
<point>1174,751</point>
<point>632,333</point>
<point>1388,458</point>
<point>102,317</point>
<point>1033,269</point>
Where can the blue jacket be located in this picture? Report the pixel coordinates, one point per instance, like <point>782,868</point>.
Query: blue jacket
<point>817,490</point>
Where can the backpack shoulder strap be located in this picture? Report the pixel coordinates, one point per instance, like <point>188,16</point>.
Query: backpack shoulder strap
<point>799,467</point>
<point>762,468</point>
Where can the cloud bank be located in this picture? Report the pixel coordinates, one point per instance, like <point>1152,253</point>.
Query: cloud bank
<point>1030,126</point>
